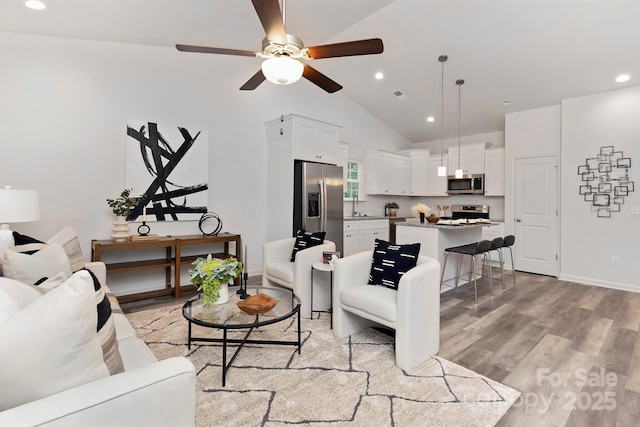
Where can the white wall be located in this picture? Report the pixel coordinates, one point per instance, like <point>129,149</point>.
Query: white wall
<point>63,113</point>
<point>588,242</point>
<point>528,133</point>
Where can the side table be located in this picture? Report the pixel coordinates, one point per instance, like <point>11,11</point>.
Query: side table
<point>321,266</point>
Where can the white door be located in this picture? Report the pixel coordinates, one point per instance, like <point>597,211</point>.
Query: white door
<point>536,215</point>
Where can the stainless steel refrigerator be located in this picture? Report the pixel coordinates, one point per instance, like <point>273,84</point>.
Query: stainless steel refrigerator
<point>318,200</point>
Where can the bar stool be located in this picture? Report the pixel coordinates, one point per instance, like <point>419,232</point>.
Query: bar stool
<point>496,245</point>
<point>472,250</point>
<point>508,243</point>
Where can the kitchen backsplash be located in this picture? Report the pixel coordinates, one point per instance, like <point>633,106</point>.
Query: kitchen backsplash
<point>374,205</point>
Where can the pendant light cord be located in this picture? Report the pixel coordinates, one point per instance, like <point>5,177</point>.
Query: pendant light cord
<point>459,82</point>
<point>442,59</point>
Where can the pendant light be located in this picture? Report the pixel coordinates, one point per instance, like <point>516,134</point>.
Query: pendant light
<point>442,169</point>
<point>459,82</point>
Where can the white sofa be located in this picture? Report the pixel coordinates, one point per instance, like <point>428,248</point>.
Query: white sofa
<point>413,310</point>
<point>148,393</point>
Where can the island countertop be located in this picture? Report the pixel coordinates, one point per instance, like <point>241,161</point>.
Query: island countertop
<point>444,226</point>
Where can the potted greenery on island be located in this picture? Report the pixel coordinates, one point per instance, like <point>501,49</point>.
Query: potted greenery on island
<point>391,209</point>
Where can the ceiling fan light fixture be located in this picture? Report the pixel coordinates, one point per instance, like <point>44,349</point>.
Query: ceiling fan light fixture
<point>282,70</point>
<point>35,4</point>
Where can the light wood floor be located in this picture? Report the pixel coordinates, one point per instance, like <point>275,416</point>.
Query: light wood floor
<point>571,350</point>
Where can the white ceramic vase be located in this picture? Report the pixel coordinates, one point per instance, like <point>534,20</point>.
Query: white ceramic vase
<point>120,230</point>
<point>224,295</point>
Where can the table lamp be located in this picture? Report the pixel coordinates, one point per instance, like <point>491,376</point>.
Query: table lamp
<point>16,206</point>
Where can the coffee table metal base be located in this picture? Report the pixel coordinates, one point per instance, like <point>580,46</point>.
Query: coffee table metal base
<point>225,340</point>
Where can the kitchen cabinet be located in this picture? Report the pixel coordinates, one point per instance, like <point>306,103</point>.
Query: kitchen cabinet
<point>360,234</point>
<point>402,173</point>
<point>309,139</point>
<point>387,173</point>
<point>471,158</point>
<point>301,138</point>
<point>419,172</point>
<point>494,172</point>
<point>437,184</point>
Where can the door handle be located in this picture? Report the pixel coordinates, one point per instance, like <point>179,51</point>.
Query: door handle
<point>518,220</point>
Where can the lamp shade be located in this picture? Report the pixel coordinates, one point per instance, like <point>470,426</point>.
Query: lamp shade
<point>18,205</point>
<point>282,70</point>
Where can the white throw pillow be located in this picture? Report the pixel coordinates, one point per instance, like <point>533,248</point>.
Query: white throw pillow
<point>68,238</point>
<point>53,282</point>
<point>47,262</point>
<point>51,345</point>
<point>14,296</point>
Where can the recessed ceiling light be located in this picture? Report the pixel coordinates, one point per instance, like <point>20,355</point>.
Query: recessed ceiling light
<point>431,119</point>
<point>35,4</point>
<point>506,102</point>
<point>622,78</point>
<point>379,76</point>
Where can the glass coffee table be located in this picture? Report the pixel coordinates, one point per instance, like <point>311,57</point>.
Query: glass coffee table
<point>228,316</point>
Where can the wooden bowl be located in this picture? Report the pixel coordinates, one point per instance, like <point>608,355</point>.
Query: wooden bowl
<point>433,219</point>
<point>257,304</point>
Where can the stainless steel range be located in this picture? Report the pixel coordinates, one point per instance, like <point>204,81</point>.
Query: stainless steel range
<point>469,211</point>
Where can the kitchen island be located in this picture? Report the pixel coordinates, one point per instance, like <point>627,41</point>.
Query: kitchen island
<point>435,238</point>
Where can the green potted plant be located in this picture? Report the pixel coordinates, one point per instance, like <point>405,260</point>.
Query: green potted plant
<point>391,209</point>
<point>122,205</point>
<point>121,208</point>
<point>212,277</point>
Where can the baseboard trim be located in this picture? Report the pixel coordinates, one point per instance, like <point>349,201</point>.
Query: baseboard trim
<point>600,283</point>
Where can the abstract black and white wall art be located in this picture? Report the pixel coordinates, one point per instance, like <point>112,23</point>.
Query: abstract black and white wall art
<point>168,166</point>
<point>606,181</point>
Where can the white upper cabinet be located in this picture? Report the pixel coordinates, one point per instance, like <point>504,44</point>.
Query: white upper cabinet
<point>419,172</point>
<point>494,172</point>
<point>387,173</point>
<point>402,175</point>
<point>471,158</point>
<point>437,184</point>
<point>311,140</point>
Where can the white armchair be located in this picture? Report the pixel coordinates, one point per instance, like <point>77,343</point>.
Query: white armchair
<point>278,270</point>
<point>413,310</point>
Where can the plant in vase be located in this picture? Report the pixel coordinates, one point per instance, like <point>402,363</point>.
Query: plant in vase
<point>392,208</point>
<point>420,210</point>
<point>212,276</point>
<point>121,208</point>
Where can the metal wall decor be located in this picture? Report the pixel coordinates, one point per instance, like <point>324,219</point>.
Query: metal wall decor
<point>606,181</point>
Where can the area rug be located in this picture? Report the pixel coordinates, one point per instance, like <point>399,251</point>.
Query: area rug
<point>333,382</point>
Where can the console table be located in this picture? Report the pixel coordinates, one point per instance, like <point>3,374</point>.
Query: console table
<point>172,261</point>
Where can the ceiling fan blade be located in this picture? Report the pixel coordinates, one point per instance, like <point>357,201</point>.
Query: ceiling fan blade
<point>271,18</point>
<point>320,80</point>
<point>254,81</point>
<point>358,47</point>
<point>204,49</point>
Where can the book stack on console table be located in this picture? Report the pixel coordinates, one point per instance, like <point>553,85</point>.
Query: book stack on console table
<point>147,237</point>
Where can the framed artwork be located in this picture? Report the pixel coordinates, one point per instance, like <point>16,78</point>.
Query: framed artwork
<point>168,167</point>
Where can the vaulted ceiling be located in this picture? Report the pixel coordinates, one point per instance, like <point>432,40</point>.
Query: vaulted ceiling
<point>532,53</point>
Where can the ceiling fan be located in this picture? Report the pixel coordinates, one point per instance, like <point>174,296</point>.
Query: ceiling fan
<point>283,52</point>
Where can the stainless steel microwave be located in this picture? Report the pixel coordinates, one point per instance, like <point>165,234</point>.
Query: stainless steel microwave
<point>468,184</point>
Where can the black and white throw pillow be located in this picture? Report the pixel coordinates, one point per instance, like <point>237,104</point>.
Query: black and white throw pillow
<point>390,262</point>
<point>305,240</point>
